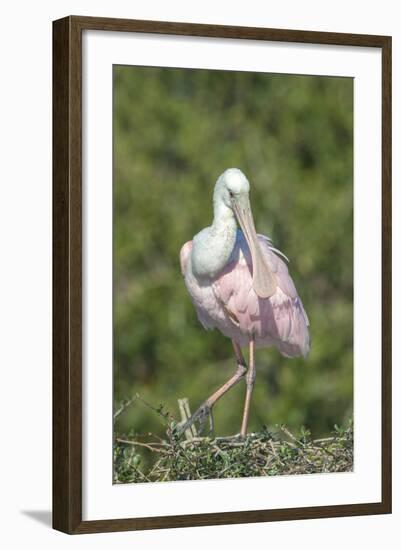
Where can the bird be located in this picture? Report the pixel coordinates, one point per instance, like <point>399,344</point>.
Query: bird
<point>239,284</point>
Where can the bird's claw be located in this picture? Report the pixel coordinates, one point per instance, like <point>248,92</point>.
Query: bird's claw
<point>201,415</point>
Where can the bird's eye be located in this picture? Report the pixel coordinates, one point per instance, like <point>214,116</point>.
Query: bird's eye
<point>231,194</point>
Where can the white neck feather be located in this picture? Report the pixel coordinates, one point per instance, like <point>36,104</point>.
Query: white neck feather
<point>224,219</point>
<point>213,246</point>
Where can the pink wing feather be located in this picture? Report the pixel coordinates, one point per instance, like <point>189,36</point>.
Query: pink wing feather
<point>279,320</point>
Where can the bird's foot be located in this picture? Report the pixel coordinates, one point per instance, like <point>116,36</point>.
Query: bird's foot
<point>200,416</point>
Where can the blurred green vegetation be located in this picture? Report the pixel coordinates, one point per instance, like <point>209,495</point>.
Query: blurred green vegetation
<point>175,132</point>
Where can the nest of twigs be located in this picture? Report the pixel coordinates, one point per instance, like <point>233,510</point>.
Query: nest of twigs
<point>265,453</point>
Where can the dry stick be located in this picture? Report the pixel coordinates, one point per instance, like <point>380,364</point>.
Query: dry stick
<point>300,444</point>
<point>151,446</point>
<point>292,436</point>
<point>275,454</point>
<point>325,449</point>
<point>124,406</point>
<point>329,439</point>
<point>184,417</point>
<point>188,413</point>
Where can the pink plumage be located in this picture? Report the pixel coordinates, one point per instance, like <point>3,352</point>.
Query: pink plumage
<point>229,303</point>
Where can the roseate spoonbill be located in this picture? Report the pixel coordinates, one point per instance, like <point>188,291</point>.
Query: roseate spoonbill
<point>240,285</point>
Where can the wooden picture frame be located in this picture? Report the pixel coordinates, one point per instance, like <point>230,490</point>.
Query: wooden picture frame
<point>67,273</point>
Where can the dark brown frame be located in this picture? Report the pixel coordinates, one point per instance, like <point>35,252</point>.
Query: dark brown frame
<point>67,274</point>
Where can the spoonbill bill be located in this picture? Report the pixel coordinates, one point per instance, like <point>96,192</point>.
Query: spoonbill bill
<point>240,285</point>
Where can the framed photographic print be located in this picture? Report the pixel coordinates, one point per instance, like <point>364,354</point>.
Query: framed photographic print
<point>222,274</point>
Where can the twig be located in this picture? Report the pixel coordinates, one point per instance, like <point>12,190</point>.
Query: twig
<point>291,436</point>
<point>150,446</point>
<point>124,406</point>
<point>185,412</point>
<point>188,414</point>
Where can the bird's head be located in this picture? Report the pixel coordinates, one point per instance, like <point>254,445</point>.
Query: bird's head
<point>232,191</point>
<point>231,185</point>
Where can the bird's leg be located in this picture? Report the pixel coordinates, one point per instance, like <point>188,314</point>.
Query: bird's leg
<point>250,381</point>
<point>205,410</point>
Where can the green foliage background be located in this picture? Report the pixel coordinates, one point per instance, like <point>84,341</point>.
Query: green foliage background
<point>175,131</point>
